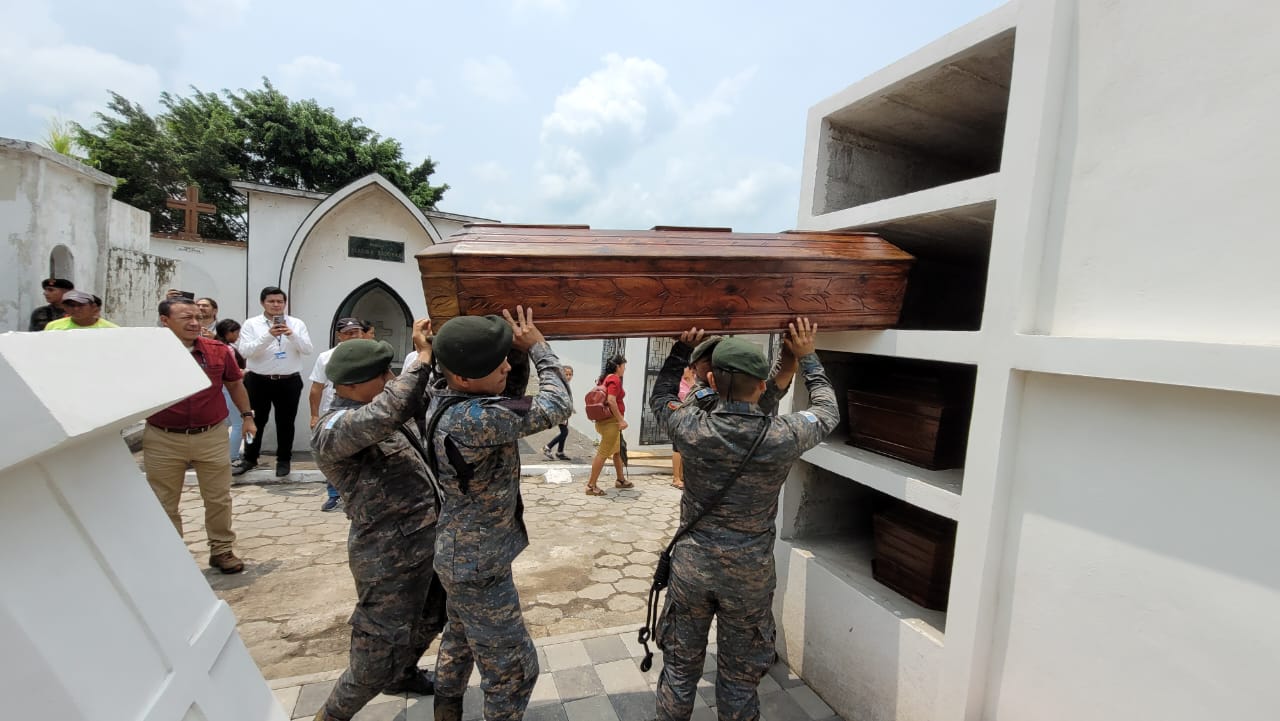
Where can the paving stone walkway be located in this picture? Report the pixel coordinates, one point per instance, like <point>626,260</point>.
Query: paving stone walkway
<point>587,676</point>
<point>588,565</point>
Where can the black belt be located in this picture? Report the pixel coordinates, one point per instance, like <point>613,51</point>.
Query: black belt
<point>186,431</point>
<point>275,377</point>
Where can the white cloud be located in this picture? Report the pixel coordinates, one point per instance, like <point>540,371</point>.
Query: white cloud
<point>750,191</point>
<point>491,78</point>
<point>55,76</point>
<point>622,148</point>
<point>629,97</point>
<point>721,100</point>
<point>601,122</point>
<point>565,179</point>
<point>309,75</point>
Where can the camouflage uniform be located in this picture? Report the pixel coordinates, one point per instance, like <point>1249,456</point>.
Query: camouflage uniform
<point>393,509</point>
<point>482,531</point>
<point>724,566</point>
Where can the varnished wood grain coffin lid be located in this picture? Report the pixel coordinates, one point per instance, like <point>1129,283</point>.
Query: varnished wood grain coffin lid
<point>585,283</point>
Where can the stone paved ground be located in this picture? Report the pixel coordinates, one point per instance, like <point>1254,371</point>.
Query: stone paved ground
<point>588,676</point>
<point>587,567</point>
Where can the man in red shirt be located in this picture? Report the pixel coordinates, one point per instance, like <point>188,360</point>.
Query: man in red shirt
<point>191,432</point>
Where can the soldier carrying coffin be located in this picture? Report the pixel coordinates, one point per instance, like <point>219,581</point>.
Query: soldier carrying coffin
<point>367,448</point>
<point>736,458</point>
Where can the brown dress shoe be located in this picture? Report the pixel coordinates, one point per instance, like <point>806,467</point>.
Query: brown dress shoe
<point>226,562</point>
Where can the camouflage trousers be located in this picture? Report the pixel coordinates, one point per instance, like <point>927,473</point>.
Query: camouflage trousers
<point>744,645</point>
<point>486,627</point>
<point>395,620</point>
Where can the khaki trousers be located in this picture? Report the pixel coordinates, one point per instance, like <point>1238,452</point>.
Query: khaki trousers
<point>165,457</point>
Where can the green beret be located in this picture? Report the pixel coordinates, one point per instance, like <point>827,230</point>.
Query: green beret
<point>472,346</point>
<point>704,348</point>
<point>359,360</point>
<point>739,356</point>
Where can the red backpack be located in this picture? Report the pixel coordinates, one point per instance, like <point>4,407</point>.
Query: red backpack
<point>597,400</point>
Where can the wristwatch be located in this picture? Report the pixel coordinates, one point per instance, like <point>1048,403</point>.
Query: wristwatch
<point>247,414</point>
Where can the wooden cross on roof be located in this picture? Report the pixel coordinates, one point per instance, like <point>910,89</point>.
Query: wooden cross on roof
<point>192,208</point>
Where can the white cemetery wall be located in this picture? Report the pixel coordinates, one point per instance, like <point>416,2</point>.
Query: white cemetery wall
<point>273,219</point>
<point>324,274</point>
<point>128,227</point>
<point>445,226</point>
<point>1167,176</point>
<point>52,213</point>
<point>214,270</point>
<point>1139,577</point>
<point>103,615</point>
<point>136,283</point>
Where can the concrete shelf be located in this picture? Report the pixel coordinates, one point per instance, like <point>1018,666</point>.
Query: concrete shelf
<point>934,491</point>
<point>930,120</point>
<point>1221,366</point>
<point>968,202</point>
<point>849,560</point>
<point>950,346</point>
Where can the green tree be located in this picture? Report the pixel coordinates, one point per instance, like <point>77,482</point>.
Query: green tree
<point>133,146</point>
<point>258,135</point>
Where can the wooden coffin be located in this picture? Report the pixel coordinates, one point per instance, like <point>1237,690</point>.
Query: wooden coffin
<point>585,283</point>
<point>913,553</point>
<point>915,417</point>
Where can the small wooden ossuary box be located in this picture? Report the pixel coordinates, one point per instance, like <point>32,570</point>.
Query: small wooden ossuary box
<point>585,283</point>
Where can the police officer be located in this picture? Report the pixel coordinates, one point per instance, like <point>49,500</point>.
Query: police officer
<point>480,414</point>
<point>723,566</point>
<point>701,392</point>
<point>53,289</point>
<point>367,448</point>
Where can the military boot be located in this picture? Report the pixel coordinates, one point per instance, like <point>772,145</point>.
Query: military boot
<point>416,681</point>
<point>448,709</point>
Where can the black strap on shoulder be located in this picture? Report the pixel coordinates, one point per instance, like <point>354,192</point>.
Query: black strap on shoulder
<point>662,574</point>
<point>422,452</point>
<point>433,424</point>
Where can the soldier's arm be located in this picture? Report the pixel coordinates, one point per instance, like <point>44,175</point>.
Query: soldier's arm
<point>509,419</point>
<point>344,432</point>
<point>666,387</point>
<point>823,414</point>
<point>778,385</point>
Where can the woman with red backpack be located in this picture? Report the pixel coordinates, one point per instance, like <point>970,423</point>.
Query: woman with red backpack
<point>609,425</point>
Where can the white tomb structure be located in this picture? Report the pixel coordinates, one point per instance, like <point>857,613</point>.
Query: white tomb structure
<point>1093,183</point>
<point>103,616</point>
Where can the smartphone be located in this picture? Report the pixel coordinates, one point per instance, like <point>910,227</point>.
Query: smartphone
<point>277,320</point>
<point>187,294</point>
<point>248,438</point>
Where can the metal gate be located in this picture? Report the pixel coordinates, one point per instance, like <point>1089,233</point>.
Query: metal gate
<point>651,431</point>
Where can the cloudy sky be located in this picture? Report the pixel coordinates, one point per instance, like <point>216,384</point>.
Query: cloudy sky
<point>560,111</point>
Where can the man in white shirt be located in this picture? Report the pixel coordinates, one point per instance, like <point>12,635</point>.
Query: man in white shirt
<point>321,395</point>
<point>273,345</point>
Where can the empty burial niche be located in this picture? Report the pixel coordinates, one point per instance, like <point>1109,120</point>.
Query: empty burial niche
<point>941,125</point>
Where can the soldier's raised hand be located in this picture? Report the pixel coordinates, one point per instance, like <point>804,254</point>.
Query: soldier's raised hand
<point>801,337</point>
<point>422,339</point>
<point>524,334</point>
<point>693,336</point>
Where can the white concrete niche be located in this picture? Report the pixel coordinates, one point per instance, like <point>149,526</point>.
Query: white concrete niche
<point>936,125</point>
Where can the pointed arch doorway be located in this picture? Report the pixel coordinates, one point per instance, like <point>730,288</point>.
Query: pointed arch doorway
<point>379,304</point>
